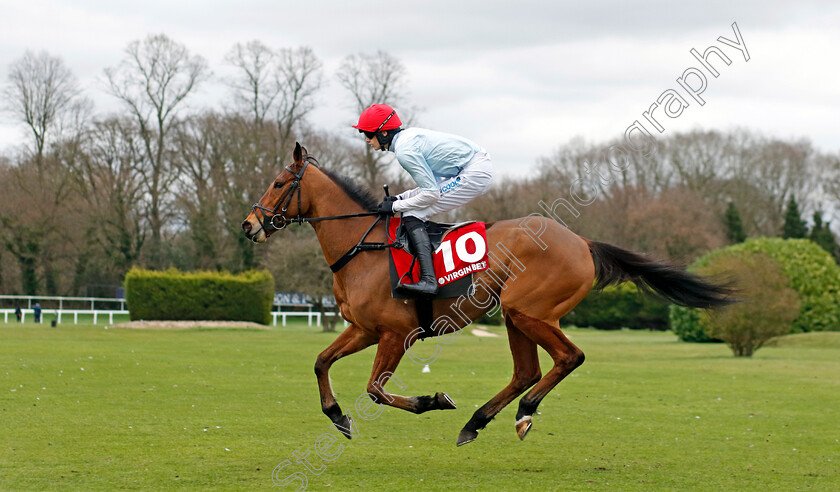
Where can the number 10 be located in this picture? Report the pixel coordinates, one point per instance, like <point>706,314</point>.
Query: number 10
<point>461,250</point>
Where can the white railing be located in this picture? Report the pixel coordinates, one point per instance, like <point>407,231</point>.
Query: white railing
<point>92,300</point>
<point>283,314</point>
<point>309,314</point>
<point>9,313</point>
<point>57,314</point>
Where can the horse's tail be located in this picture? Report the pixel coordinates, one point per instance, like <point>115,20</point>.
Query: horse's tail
<point>671,282</point>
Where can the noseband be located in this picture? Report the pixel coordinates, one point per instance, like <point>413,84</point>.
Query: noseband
<point>275,221</point>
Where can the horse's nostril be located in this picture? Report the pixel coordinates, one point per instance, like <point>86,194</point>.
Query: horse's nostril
<point>246,226</point>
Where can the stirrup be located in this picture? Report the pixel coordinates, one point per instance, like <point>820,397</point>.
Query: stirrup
<point>427,287</point>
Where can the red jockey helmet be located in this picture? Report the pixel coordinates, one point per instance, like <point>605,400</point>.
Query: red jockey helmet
<point>378,117</point>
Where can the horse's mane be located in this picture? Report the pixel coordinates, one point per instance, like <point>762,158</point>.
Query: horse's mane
<point>356,192</point>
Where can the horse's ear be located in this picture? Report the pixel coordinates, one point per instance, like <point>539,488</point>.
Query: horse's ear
<point>297,155</point>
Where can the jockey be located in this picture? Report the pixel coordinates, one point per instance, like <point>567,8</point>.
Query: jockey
<point>449,172</point>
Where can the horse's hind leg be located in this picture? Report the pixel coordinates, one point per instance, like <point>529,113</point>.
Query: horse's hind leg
<point>566,358</point>
<point>388,355</point>
<point>349,342</point>
<point>526,372</point>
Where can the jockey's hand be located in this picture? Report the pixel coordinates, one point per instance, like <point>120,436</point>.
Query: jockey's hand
<point>387,206</point>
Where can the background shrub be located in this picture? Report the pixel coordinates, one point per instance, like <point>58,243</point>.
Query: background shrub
<point>619,306</point>
<point>811,272</point>
<point>175,295</point>
<point>768,306</point>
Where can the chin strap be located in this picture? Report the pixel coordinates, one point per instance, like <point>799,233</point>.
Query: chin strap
<point>385,140</point>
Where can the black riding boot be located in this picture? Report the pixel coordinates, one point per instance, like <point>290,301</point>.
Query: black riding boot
<point>422,248</point>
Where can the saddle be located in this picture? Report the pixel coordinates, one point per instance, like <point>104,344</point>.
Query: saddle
<point>459,250</point>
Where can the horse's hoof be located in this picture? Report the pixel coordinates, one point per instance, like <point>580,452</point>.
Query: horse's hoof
<point>444,401</point>
<point>466,436</point>
<point>344,424</point>
<point>523,425</point>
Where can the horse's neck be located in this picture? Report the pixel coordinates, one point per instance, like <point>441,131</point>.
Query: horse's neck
<point>339,235</point>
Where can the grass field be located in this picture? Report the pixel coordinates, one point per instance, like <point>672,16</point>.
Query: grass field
<point>82,407</point>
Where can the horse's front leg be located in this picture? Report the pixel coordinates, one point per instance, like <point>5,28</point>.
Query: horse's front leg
<point>351,340</point>
<point>388,354</point>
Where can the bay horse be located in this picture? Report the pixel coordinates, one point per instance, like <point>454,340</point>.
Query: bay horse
<point>534,279</point>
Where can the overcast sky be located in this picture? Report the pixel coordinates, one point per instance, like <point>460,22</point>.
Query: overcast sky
<point>519,78</point>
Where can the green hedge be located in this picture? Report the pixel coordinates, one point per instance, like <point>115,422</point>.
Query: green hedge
<point>619,306</point>
<point>175,295</point>
<point>813,275</point>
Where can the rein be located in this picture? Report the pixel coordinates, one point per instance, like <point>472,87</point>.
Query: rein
<point>272,224</point>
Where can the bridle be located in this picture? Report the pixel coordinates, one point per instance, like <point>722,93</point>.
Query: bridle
<point>277,222</point>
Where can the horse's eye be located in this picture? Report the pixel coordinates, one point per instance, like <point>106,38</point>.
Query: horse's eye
<point>278,184</point>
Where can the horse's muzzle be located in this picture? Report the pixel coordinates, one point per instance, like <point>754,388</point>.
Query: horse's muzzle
<point>257,235</point>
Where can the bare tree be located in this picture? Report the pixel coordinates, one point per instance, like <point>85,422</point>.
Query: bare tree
<point>202,159</point>
<point>829,166</point>
<point>785,169</point>
<point>39,91</point>
<point>249,159</point>
<point>21,229</point>
<point>223,163</point>
<point>107,176</point>
<point>758,174</point>
<point>676,225</point>
<point>43,95</point>
<point>373,79</point>
<point>277,84</point>
<point>254,87</point>
<point>281,82</point>
<point>299,77</point>
<point>153,80</point>
<point>269,84</point>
